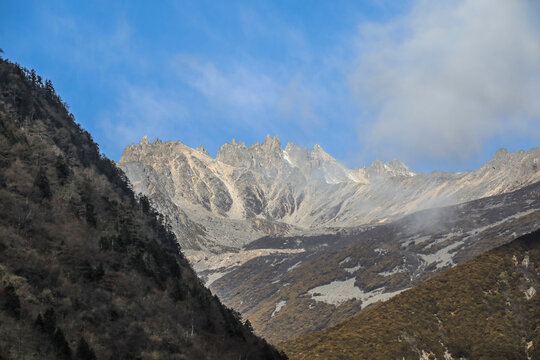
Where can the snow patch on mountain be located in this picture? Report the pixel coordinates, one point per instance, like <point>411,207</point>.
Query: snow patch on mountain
<point>395,270</point>
<point>279,305</point>
<point>353,269</point>
<point>442,257</point>
<point>337,292</point>
<point>294,266</point>
<point>509,218</point>
<point>287,158</point>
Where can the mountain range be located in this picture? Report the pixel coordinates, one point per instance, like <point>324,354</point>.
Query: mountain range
<point>222,204</point>
<point>297,242</point>
<point>113,260</point>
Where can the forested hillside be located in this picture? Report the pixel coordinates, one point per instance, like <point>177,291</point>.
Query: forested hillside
<point>485,308</point>
<point>87,269</point>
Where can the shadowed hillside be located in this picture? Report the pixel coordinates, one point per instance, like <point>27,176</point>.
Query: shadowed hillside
<point>485,308</point>
<point>87,270</point>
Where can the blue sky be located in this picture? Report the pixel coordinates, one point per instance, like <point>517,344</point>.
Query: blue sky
<point>439,85</point>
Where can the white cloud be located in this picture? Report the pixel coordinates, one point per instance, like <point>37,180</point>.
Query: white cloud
<point>255,93</point>
<point>446,78</point>
<point>239,86</point>
<point>142,110</point>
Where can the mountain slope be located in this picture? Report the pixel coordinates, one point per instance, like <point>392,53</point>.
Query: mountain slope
<point>87,270</point>
<point>291,285</point>
<point>486,308</point>
<point>248,192</point>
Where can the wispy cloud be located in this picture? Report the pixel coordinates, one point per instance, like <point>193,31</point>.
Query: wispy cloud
<point>255,93</point>
<point>449,76</point>
<point>298,100</point>
<point>81,42</point>
<point>238,86</point>
<point>428,82</point>
<point>142,110</point>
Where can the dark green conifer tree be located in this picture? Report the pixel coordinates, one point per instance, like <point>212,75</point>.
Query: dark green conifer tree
<point>61,345</point>
<point>12,303</point>
<point>42,183</point>
<point>84,351</point>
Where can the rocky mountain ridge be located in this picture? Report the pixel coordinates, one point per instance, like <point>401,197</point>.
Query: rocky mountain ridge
<point>251,191</point>
<point>276,216</point>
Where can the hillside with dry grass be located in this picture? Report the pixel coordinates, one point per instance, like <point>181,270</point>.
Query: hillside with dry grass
<point>303,284</point>
<point>485,308</point>
<point>87,269</point>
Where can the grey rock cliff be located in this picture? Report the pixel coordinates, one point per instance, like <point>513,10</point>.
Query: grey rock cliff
<point>294,190</point>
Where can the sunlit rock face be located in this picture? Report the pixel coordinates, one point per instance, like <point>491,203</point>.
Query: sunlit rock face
<point>221,204</point>
<point>258,221</point>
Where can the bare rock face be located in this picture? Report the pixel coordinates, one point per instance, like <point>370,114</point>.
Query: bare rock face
<point>259,221</point>
<point>297,189</point>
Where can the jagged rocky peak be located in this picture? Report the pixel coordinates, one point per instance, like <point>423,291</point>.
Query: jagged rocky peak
<point>519,163</point>
<point>271,144</point>
<point>295,154</point>
<point>390,168</point>
<point>502,156</point>
<point>501,153</point>
<point>235,154</point>
<point>399,168</point>
<point>269,152</point>
<point>294,147</point>
<point>201,149</point>
<point>237,143</point>
<point>144,149</point>
<point>144,142</point>
<point>318,153</point>
<point>135,151</point>
<point>238,154</point>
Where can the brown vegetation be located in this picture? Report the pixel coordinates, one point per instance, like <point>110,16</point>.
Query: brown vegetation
<point>388,257</point>
<point>481,309</point>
